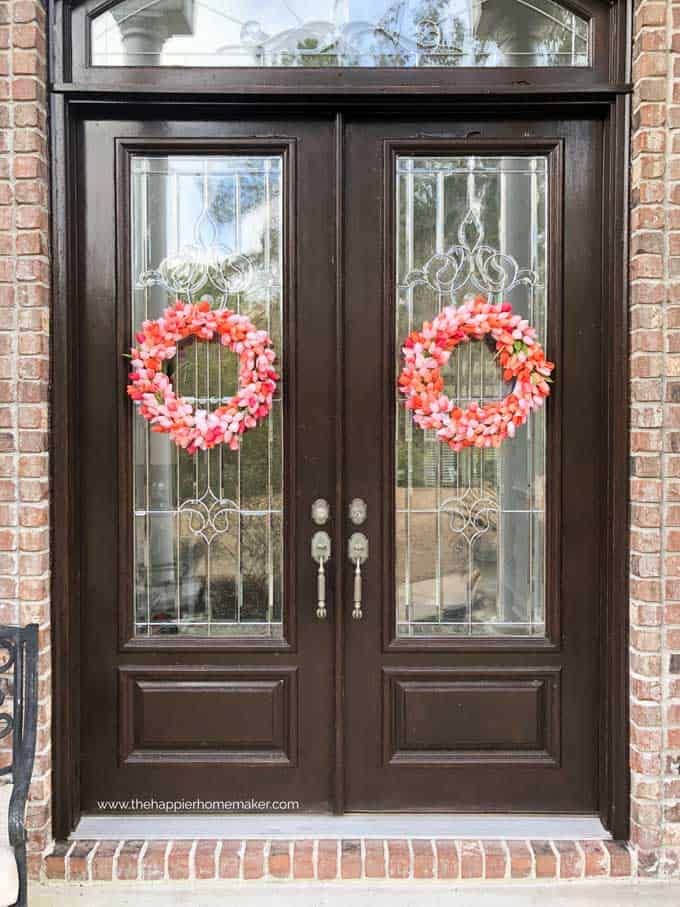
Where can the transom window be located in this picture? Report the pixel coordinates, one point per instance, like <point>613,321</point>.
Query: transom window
<point>340,33</point>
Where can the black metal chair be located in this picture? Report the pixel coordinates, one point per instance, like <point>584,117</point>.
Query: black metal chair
<point>19,671</point>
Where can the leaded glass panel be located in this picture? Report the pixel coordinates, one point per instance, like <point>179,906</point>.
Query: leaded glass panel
<point>208,535</point>
<point>470,526</point>
<point>363,33</point>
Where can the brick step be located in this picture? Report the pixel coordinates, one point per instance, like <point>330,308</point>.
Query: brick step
<point>325,860</point>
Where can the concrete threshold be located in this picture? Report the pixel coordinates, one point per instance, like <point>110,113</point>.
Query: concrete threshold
<point>353,825</point>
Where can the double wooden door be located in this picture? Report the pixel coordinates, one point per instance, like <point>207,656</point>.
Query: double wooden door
<point>470,682</point>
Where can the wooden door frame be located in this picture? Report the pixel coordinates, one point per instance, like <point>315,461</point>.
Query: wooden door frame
<point>505,93</point>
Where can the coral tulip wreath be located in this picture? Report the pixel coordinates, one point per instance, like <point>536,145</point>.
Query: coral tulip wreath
<point>521,357</point>
<point>152,390</point>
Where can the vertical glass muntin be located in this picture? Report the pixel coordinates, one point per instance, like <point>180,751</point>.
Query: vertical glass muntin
<point>470,527</point>
<point>208,528</point>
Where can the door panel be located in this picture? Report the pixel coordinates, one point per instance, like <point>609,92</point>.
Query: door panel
<point>471,682</point>
<point>204,664</point>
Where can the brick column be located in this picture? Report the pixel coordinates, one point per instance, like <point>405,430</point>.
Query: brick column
<point>655,439</point>
<point>24,359</point>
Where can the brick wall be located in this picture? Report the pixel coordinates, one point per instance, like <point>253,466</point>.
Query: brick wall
<point>655,438</point>
<point>24,357</point>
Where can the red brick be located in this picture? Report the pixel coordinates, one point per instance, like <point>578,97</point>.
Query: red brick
<point>620,860</point>
<point>27,11</point>
<point>648,863</point>
<point>448,865</point>
<point>374,859</point>
<point>423,859</point>
<point>55,862</point>
<point>399,859</point>
<point>103,861</point>
<point>253,860</point>
<point>179,860</point>
<point>303,860</point>
<point>571,860</point>
<point>471,860</point>
<point>327,859</point>
<point>279,859</point>
<point>350,866</point>
<point>521,860</point>
<point>26,36</point>
<point>596,858</point>
<point>153,861</point>
<point>230,860</point>
<point>127,867</point>
<point>495,859</point>
<point>544,860</point>
<point>205,859</point>
<point>78,860</point>
<point>25,88</point>
<point>27,166</point>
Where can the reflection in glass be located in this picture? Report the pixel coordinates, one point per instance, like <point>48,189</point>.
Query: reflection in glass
<point>470,525</point>
<point>369,33</point>
<point>208,529</point>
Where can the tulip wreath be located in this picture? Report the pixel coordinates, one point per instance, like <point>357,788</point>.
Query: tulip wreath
<point>151,388</point>
<point>521,357</point>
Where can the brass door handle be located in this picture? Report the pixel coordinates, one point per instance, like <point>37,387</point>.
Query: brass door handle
<point>357,552</point>
<point>321,553</point>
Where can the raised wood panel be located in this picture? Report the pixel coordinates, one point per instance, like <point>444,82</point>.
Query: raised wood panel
<point>207,714</point>
<point>471,715</point>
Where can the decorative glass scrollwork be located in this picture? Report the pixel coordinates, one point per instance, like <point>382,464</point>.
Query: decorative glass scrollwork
<point>471,514</point>
<point>471,264</point>
<point>205,264</point>
<point>208,515</point>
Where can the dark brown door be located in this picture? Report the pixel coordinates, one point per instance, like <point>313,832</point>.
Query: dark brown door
<point>205,671</point>
<point>471,681</point>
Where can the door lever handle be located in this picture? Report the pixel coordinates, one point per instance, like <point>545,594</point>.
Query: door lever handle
<point>357,552</point>
<point>357,613</point>
<point>321,553</point>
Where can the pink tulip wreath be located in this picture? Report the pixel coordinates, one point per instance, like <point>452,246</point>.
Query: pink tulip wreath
<point>522,358</point>
<point>151,389</point>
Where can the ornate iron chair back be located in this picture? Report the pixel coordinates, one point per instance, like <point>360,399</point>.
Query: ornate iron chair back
<point>19,671</point>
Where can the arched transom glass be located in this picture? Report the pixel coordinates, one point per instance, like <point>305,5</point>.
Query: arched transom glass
<point>367,33</point>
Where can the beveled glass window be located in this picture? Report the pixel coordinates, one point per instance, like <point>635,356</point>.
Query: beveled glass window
<point>364,33</point>
<point>208,527</point>
<point>470,526</point>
